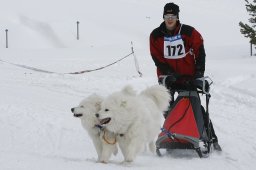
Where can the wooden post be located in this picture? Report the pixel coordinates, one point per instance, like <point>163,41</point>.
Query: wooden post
<point>77,30</point>
<point>6,38</point>
<point>251,48</point>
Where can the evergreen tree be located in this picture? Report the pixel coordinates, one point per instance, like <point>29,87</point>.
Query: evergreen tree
<point>249,31</point>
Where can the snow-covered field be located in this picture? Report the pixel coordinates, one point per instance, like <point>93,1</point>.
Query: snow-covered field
<point>37,129</point>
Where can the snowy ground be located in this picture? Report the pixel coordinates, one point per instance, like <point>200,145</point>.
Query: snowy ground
<point>37,129</point>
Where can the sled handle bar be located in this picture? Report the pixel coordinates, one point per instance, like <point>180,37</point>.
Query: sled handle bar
<point>204,79</point>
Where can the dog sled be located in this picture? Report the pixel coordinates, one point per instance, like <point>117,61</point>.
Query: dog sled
<point>187,124</point>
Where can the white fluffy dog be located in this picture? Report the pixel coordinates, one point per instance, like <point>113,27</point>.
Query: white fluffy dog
<point>103,140</point>
<point>136,119</point>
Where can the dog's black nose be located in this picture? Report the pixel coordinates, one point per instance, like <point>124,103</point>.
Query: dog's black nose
<point>72,109</point>
<point>97,115</point>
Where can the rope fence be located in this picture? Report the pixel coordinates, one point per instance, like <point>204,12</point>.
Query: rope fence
<point>83,71</point>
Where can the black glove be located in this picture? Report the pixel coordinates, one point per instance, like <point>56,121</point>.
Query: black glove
<point>167,80</point>
<point>198,74</point>
<point>198,83</point>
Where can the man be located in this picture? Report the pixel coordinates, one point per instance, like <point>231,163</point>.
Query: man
<point>177,48</point>
<point>178,52</point>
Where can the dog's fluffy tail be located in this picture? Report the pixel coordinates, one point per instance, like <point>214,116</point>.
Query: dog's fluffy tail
<point>159,94</point>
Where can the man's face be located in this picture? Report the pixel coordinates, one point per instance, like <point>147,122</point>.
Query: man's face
<point>170,21</point>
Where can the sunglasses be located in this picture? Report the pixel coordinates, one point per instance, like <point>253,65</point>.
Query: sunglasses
<point>170,17</point>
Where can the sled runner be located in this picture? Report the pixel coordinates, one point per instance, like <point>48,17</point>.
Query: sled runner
<point>187,124</point>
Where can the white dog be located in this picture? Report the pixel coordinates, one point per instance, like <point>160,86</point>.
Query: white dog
<point>135,118</point>
<point>103,140</point>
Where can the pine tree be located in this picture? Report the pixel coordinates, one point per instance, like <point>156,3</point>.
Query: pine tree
<point>249,31</point>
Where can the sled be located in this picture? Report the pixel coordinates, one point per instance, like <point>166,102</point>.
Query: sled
<point>187,124</point>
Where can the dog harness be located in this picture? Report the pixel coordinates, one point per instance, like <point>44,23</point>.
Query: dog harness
<point>102,129</point>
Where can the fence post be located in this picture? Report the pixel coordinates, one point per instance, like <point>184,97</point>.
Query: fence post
<point>77,30</point>
<point>6,38</point>
<point>251,48</point>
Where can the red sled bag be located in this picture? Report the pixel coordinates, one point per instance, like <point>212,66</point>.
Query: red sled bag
<point>186,125</point>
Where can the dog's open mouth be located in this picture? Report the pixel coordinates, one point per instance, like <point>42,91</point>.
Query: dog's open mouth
<point>78,115</point>
<point>105,121</point>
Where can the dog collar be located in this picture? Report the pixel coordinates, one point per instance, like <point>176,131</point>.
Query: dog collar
<point>99,126</point>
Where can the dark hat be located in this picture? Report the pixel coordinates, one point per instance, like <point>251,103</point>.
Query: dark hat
<point>171,8</point>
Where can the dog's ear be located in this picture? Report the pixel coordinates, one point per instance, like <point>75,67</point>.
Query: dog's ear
<point>123,103</point>
<point>128,90</point>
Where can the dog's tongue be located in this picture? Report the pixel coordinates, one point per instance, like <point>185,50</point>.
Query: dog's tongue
<point>105,121</point>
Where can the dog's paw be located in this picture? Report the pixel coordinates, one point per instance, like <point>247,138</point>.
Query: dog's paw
<point>129,157</point>
<point>103,162</point>
<point>126,164</point>
<point>128,160</point>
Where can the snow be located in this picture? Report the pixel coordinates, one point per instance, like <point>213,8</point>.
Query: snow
<point>37,129</point>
